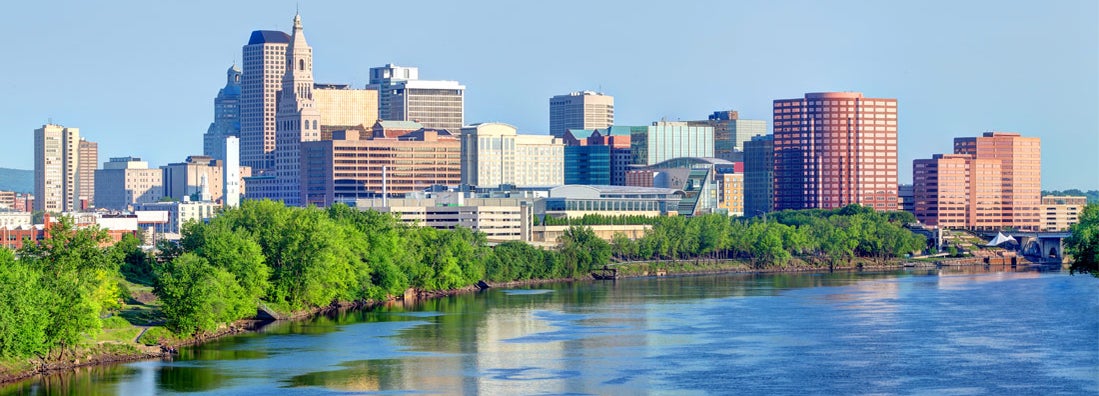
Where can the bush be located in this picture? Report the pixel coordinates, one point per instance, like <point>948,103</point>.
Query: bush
<point>156,335</point>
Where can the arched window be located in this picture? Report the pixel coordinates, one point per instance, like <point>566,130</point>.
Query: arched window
<point>314,125</point>
<point>301,64</point>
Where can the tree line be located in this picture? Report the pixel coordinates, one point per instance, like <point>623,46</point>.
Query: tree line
<point>54,295</point>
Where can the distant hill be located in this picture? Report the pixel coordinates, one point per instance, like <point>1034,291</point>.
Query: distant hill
<point>18,180</point>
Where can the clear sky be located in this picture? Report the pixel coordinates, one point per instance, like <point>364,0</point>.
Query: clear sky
<point>139,77</point>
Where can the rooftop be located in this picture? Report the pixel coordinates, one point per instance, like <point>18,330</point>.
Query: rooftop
<point>268,37</point>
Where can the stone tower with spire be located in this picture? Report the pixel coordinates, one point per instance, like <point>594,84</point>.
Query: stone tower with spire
<point>297,119</point>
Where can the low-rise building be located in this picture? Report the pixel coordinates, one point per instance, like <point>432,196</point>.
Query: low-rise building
<point>124,181</point>
<point>1060,213</point>
<point>13,219</point>
<point>500,219</point>
<point>179,213</point>
<point>576,201</point>
<point>7,199</point>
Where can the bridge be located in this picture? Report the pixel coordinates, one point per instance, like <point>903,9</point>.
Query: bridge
<point>1045,245</point>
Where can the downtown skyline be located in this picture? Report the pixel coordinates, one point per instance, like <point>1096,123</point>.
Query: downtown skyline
<point>961,77</point>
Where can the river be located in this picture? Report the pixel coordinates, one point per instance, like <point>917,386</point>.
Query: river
<point>949,332</point>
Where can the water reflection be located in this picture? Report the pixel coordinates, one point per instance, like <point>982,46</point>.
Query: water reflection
<point>985,329</point>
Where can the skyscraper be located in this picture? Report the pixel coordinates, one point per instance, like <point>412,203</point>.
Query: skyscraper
<point>759,175</point>
<point>833,149</point>
<point>264,59</point>
<point>402,96</point>
<point>226,116</point>
<point>730,133</point>
<point>1021,163</point>
<point>297,120</point>
<point>56,168</point>
<point>580,110</point>
<point>88,162</point>
<point>957,191</point>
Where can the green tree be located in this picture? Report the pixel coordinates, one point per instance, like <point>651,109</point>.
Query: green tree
<point>197,296</point>
<point>1083,244</point>
<point>24,312</point>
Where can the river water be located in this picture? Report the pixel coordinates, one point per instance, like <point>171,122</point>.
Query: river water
<point>950,332</point>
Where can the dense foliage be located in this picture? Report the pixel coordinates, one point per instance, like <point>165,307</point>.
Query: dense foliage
<point>827,236</point>
<point>53,296</point>
<point>1083,244</point>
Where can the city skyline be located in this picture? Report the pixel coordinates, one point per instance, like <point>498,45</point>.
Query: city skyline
<point>955,69</point>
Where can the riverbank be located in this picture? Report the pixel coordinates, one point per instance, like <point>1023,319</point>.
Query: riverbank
<point>103,354</point>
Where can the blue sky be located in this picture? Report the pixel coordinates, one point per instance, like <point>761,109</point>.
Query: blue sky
<point>139,77</point>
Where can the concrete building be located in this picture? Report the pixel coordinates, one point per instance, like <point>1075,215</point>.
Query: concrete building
<point>402,96</point>
<point>88,162</point>
<point>56,168</point>
<point>396,129</point>
<point>12,219</point>
<point>226,116</point>
<point>264,59</point>
<point>759,175</point>
<point>731,197</point>
<point>199,178</point>
<point>665,140</point>
<point>958,191</point>
<point>297,120</point>
<point>342,107</point>
<point>730,133</point>
<point>1060,213</point>
<point>832,149</point>
<point>1021,163</point>
<point>500,219</point>
<point>354,165</point>
<point>580,110</point>
<point>493,154</point>
<point>124,181</point>
<point>179,213</point>
<point>7,200</point>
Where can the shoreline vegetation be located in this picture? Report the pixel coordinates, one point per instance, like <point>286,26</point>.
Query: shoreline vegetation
<point>265,261</point>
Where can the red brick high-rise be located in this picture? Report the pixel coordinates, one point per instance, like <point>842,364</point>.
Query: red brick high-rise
<point>833,149</point>
<point>1021,174</point>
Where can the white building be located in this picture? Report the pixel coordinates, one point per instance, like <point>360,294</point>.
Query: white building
<point>124,181</point>
<point>231,175</point>
<point>494,154</point>
<point>56,168</point>
<point>179,213</point>
<point>402,96</point>
<point>11,220</point>
<point>501,219</point>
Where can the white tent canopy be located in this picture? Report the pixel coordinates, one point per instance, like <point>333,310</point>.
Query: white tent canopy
<point>1000,239</point>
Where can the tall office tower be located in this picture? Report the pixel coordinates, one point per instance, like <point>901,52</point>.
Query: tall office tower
<point>833,149</point>
<point>580,110</point>
<point>196,177</point>
<point>125,181</point>
<point>264,65</point>
<point>493,154</point>
<point>402,96</point>
<point>297,119</point>
<point>89,160</point>
<point>730,133</point>
<point>759,175</point>
<point>664,140</point>
<point>226,116</point>
<point>343,108</point>
<point>56,168</point>
<point>957,191</point>
<point>1021,162</point>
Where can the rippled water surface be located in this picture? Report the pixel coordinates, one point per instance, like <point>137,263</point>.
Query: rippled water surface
<point>976,331</point>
